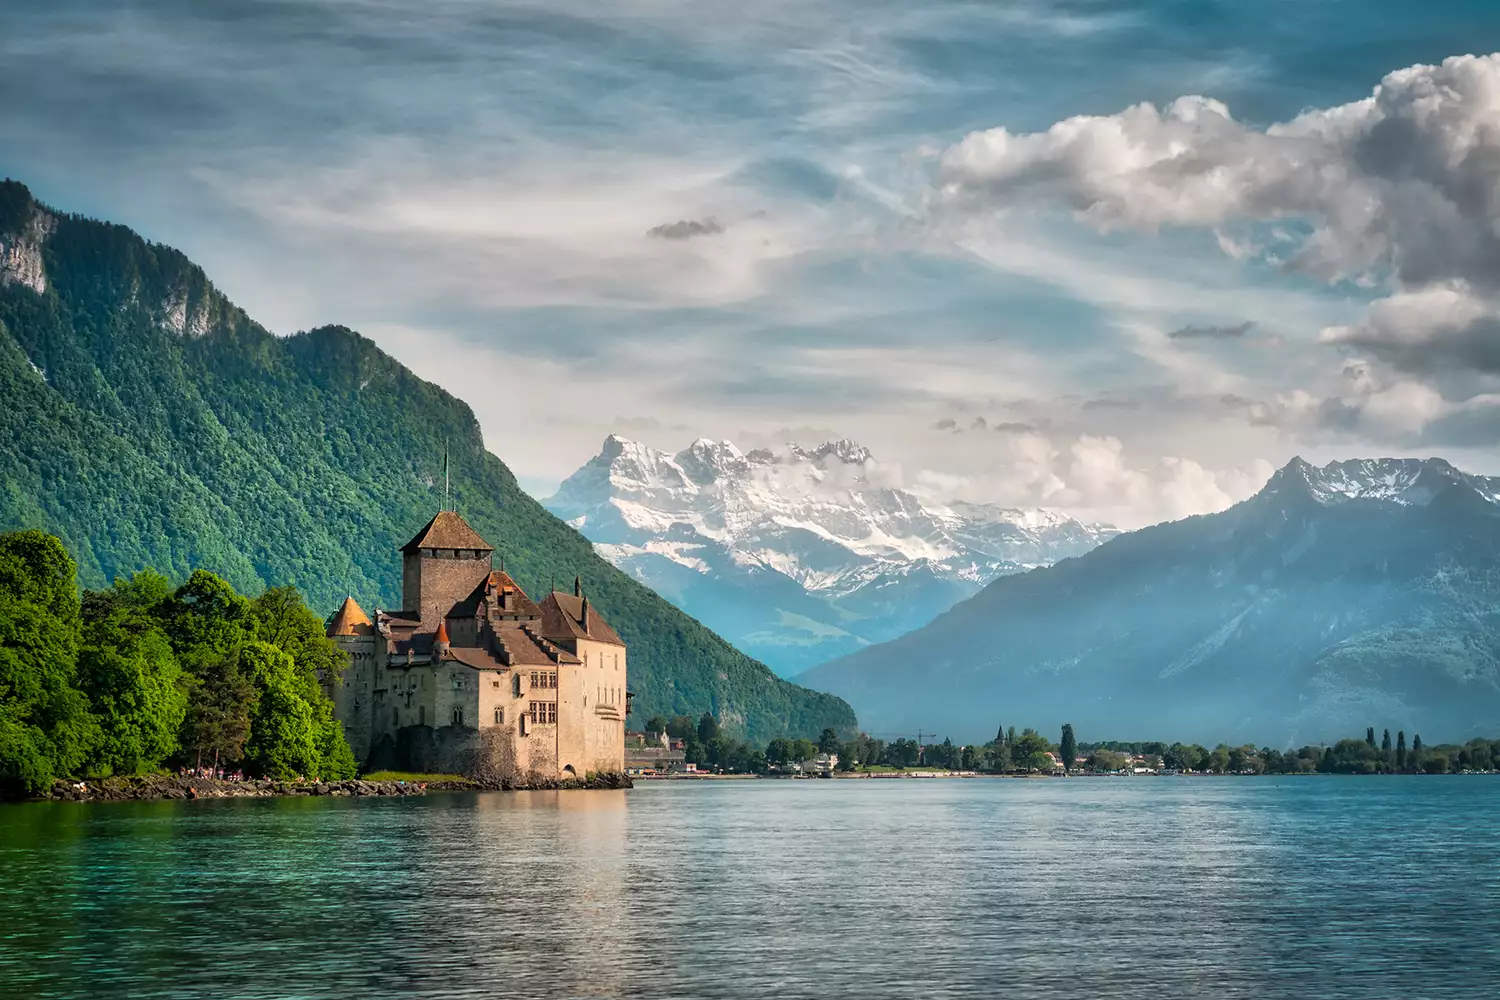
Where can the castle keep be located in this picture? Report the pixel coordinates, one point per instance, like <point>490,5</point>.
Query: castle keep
<point>472,675</point>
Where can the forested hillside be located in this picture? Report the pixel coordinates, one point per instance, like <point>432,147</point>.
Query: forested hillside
<point>148,422</point>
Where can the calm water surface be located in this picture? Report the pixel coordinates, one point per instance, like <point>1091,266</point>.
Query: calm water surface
<point>1258,888</point>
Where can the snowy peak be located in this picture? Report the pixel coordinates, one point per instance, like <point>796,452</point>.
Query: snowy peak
<point>706,461</point>
<point>816,536</point>
<point>1405,481</point>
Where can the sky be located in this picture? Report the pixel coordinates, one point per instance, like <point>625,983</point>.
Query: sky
<point>1116,259</point>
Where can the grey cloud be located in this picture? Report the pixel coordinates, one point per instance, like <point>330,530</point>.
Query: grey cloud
<point>1191,332</point>
<point>686,229</point>
<point>946,424</point>
<point>1014,427</point>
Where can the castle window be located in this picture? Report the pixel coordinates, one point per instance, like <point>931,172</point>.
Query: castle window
<point>458,682</point>
<point>458,716</point>
<point>544,713</point>
<point>515,686</point>
<point>499,716</point>
<point>495,683</point>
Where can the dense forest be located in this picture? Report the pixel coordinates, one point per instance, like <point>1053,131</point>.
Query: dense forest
<point>151,423</point>
<point>137,676</point>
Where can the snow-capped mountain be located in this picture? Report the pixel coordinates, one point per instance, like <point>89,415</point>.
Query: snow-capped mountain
<point>1360,593</point>
<point>797,555</point>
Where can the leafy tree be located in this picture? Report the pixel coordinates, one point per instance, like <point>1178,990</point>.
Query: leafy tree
<point>221,702</point>
<point>680,727</point>
<point>656,724</point>
<point>1219,760</point>
<point>45,726</point>
<point>284,733</point>
<point>127,669</point>
<point>828,741</point>
<point>708,728</point>
<point>1106,760</point>
<point>1370,736</point>
<point>1029,751</point>
<point>1401,750</point>
<point>283,620</point>
<point>779,752</point>
<point>1067,747</point>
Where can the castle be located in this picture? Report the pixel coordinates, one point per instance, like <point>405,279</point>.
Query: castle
<point>472,675</point>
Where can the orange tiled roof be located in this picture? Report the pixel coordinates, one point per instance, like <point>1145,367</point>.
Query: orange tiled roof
<point>447,531</point>
<point>350,619</point>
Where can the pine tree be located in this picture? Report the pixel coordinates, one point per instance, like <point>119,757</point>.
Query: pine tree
<point>1385,741</point>
<point>1067,748</point>
<point>1370,736</point>
<point>1401,750</point>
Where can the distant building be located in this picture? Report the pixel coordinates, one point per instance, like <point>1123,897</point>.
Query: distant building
<point>472,673</point>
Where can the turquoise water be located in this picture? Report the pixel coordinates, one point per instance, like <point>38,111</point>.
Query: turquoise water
<point>1318,887</point>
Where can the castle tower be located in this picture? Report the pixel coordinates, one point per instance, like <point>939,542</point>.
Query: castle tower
<point>441,566</point>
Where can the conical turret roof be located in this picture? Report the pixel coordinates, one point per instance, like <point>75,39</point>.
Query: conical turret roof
<point>350,619</point>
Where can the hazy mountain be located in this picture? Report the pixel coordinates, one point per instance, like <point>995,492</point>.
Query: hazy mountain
<point>1362,593</point>
<point>150,422</point>
<point>799,555</point>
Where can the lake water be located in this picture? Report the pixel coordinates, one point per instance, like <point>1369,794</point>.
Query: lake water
<point>1315,887</point>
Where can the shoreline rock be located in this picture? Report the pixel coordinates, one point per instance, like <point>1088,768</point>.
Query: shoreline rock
<point>156,787</point>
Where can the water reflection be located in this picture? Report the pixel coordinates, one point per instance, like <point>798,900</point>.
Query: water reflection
<point>1236,888</point>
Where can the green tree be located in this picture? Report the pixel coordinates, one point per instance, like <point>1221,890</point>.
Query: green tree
<point>206,613</point>
<point>801,750</point>
<point>284,731</point>
<point>282,619</point>
<point>1219,760</point>
<point>46,729</point>
<point>656,725</point>
<point>1401,750</point>
<point>1067,747</point>
<point>221,702</point>
<point>708,728</point>
<point>1029,751</point>
<point>1370,736</point>
<point>127,669</point>
<point>828,741</point>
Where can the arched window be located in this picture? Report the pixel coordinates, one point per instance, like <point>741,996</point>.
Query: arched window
<point>458,716</point>
<point>499,716</point>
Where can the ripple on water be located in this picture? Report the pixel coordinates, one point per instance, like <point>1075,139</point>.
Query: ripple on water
<point>1157,888</point>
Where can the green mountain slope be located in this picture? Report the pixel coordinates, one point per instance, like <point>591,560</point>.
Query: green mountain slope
<point>147,421</point>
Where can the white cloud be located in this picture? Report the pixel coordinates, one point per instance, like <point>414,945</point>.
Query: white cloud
<point>1400,189</point>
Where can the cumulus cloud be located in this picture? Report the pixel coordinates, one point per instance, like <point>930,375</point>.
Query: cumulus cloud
<point>1094,477</point>
<point>1399,190</point>
<point>1191,332</point>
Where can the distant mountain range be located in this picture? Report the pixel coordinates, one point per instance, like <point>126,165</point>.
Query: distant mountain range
<point>1362,593</point>
<point>147,421</point>
<point>799,555</point>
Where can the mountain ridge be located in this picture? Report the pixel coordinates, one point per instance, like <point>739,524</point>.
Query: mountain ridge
<point>150,422</point>
<point>1360,592</point>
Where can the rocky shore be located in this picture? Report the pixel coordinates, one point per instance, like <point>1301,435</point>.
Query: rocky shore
<point>145,787</point>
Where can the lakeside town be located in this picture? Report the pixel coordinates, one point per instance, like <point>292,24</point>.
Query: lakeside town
<point>680,748</point>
